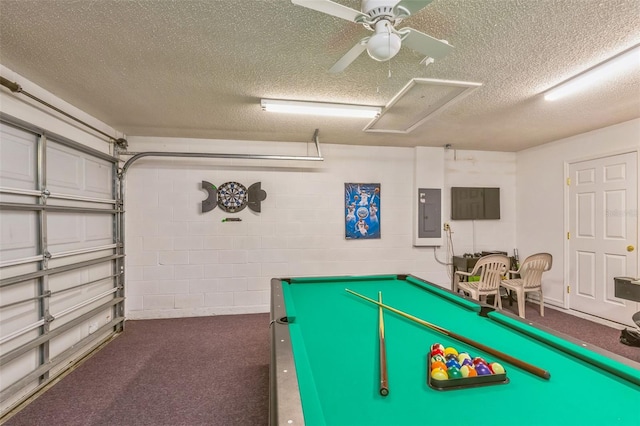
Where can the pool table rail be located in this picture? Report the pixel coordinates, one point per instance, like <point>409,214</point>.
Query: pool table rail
<point>284,393</point>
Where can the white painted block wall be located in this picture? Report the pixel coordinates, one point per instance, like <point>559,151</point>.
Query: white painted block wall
<point>181,262</point>
<point>541,195</point>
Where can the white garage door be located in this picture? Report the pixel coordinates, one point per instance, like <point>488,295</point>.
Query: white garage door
<point>61,268</point>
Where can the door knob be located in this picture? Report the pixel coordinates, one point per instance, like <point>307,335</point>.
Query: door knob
<point>630,248</point>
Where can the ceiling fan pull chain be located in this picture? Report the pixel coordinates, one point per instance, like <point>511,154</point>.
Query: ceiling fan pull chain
<point>389,43</point>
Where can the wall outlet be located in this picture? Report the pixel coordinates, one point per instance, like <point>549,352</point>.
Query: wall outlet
<point>445,226</point>
<point>93,327</point>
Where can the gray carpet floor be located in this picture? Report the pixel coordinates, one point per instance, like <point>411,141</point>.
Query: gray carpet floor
<point>205,371</point>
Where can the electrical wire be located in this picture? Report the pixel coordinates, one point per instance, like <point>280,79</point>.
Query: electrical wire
<point>449,252</point>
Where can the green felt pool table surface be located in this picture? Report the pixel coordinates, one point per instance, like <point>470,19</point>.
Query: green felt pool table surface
<point>334,344</point>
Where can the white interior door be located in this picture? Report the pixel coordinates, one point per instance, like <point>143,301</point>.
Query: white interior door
<point>603,239</point>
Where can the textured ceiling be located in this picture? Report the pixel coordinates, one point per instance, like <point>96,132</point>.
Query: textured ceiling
<point>189,68</point>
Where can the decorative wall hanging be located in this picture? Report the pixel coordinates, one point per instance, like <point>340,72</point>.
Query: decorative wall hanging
<point>233,197</point>
<point>362,210</point>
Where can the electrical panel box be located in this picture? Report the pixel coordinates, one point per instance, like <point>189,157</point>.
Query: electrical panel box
<point>429,213</point>
<point>428,184</point>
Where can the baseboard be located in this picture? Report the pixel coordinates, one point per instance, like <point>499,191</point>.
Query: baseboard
<point>195,312</point>
<point>582,315</point>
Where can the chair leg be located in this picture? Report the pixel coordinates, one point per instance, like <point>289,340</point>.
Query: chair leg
<point>499,299</point>
<point>520,296</point>
<point>541,304</point>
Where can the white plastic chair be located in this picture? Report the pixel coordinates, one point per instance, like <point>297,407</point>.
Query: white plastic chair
<point>491,270</point>
<point>530,279</point>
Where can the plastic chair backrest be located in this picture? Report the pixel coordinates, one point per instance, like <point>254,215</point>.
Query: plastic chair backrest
<point>492,269</point>
<point>532,268</point>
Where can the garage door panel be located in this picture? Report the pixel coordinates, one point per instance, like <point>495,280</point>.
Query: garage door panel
<point>101,270</point>
<point>18,231</point>
<point>73,172</point>
<point>16,338</point>
<point>99,229</point>
<point>64,170</point>
<point>66,280</point>
<point>73,292</point>
<point>98,177</point>
<point>86,301</point>
<point>74,231</point>
<point>65,231</point>
<point>17,317</point>
<point>10,372</point>
<point>17,270</point>
<point>17,158</point>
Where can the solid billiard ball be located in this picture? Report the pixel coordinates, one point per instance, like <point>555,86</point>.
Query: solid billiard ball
<point>454,373</point>
<point>438,364</point>
<point>450,350</point>
<point>439,374</point>
<point>468,371</point>
<point>477,360</point>
<point>496,367</point>
<point>482,370</point>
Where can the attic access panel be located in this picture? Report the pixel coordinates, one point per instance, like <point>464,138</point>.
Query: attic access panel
<point>419,100</point>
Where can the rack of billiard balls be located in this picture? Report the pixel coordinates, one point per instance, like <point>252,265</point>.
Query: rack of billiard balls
<point>448,368</point>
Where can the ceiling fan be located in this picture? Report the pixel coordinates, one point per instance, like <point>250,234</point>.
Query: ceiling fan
<point>381,16</point>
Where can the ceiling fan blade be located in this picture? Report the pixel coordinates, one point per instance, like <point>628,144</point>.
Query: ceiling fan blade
<point>330,8</point>
<point>350,56</point>
<point>413,5</point>
<point>425,44</point>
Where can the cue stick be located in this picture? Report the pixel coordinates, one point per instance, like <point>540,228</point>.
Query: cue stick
<point>505,357</point>
<point>384,384</point>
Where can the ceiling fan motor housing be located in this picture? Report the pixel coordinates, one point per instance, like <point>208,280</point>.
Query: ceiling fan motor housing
<point>377,10</point>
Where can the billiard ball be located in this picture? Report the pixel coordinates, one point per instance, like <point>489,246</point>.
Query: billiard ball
<point>451,356</point>
<point>468,371</point>
<point>450,350</point>
<point>437,346</point>
<point>462,356</point>
<point>437,351</point>
<point>454,373</point>
<point>452,363</point>
<point>496,367</point>
<point>477,360</point>
<point>438,358</point>
<point>467,361</point>
<point>439,374</point>
<point>438,364</point>
<point>482,370</point>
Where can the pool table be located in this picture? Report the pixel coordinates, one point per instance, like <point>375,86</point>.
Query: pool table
<point>325,361</point>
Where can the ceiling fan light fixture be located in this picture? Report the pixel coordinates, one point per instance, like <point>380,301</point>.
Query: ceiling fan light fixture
<point>320,108</point>
<point>384,46</point>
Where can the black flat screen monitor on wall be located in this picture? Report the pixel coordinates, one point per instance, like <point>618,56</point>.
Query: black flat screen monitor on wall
<point>469,203</point>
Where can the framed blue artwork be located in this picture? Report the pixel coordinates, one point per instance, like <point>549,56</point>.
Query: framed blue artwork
<point>362,210</point>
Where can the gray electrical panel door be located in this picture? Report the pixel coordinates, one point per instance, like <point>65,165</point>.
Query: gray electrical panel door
<point>429,213</point>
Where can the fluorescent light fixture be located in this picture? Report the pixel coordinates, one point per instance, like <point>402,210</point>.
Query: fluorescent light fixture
<point>620,63</point>
<point>319,108</point>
